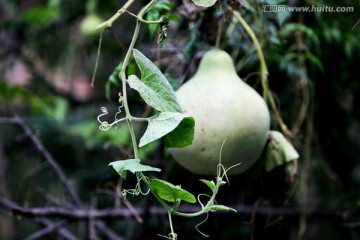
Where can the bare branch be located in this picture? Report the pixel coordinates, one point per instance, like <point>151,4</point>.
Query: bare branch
<point>4,120</point>
<point>101,226</point>
<point>48,229</point>
<point>49,158</point>
<point>126,213</point>
<point>64,212</point>
<point>74,196</point>
<point>61,231</point>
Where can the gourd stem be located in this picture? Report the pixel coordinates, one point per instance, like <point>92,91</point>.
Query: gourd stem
<point>267,95</point>
<point>219,29</point>
<point>263,67</point>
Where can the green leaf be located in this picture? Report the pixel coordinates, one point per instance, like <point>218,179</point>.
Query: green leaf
<point>248,6</point>
<point>39,16</point>
<point>170,192</point>
<point>210,184</point>
<point>59,109</point>
<point>89,131</point>
<point>157,92</point>
<point>159,8</point>
<point>278,151</point>
<point>204,3</point>
<point>183,135</point>
<point>162,5</point>
<point>132,165</point>
<point>164,123</point>
<point>154,88</point>
<point>282,16</point>
<point>290,28</point>
<point>8,93</point>
<point>314,60</point>
<point>222,208</point>
<point>114,77</point>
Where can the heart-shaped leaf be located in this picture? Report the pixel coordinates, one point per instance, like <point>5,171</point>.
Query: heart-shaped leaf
<point>183,135</point>
<point>153,87</point>
<point>164,123</point>
<point>170,192</point>
<point>132,165</point>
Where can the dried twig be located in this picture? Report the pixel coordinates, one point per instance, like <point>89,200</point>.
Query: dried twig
<point>40,147</point>
<point>48,229</point>
<point>71,190</point>
<point>101,226</point>
<point>61,231</point>
<point>5,120</point>
<point>82,214</point>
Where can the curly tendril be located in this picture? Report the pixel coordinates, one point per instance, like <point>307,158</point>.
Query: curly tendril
<point>200,202</point>
<point>135,191</point>
<point>119,108</point>
<point>171,236</point>
<point>198,225</point>
<point>104,125</point>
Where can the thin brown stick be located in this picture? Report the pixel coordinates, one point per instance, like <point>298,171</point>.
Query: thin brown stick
<point>245,79</point>
<point>97,59</point>
<point>118,40</point>
<point>49,158</point>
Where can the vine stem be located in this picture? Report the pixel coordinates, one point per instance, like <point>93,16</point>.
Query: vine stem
<point>130,119</point>
<point>205,209</point>
<point>263,67</point>
<point>128,116</point>
<point>219,29</point>
<point>143,20</point>
<point>109,23</point>
<point>171,225</point>
<point>123,74</point>
<point>267,95</point>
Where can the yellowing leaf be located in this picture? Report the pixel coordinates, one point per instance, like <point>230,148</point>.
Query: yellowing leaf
<point>278,151</point>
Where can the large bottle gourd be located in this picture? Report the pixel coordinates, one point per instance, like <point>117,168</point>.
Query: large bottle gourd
<point>224,108</point>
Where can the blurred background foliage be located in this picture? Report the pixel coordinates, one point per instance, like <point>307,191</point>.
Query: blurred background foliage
<point>46,64</point>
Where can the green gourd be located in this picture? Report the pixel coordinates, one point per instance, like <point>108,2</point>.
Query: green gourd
<point>224,108</point>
